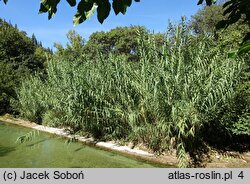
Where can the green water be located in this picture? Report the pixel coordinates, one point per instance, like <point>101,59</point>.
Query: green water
<point>50,151</point>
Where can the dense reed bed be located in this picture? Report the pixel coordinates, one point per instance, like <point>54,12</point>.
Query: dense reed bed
<point>164,100</point>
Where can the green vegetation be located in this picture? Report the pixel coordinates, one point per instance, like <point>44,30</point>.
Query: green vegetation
<point>19,57</point>
<point>163,100</point>
<point>234,11</point>
<point>86,8</point>
<point>183,90</point>
<point>119,41</point>
<point>228,40</point>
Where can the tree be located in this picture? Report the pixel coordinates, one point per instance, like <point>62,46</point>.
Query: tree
<point>118,41</point>
<point>206,19</point>
<point>86,8</point>
<point>121,40</point>
<point>13,43</point>
<point>76,41</point>
<point>204,23</point>
<point>234,11</point>
<point>73,49</point>
<point>19,57</point>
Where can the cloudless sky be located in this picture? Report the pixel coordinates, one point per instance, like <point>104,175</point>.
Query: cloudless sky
<point>153,14</point>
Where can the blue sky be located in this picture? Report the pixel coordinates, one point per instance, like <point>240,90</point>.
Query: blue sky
<point>153,14</point>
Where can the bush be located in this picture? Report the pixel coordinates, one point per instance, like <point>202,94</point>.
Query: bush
<point>18,59</point>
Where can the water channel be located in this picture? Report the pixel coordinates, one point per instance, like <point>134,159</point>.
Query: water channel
<point>50,151</point>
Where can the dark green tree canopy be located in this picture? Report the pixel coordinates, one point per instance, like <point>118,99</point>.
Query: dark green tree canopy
<point>14,44</point>
<point>204,23</point>
<point>206,19</point>
<point>118,41</point>
<point>20,56</point>
<point>234,10</point>
<point>121,40</point>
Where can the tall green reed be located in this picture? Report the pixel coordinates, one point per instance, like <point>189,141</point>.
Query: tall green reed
<point>163,100</point>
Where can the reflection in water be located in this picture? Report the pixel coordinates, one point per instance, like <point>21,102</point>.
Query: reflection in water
<point>37,142</point>
<point>4,150</point>
<point>78,149</point>
<point>52,152</point>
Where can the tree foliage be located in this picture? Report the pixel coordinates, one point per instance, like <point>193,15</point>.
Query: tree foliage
<point>204,22</point>
<point>85,9</point>
<point>118,41</point>
<point>234,11</point>
<point>19,56</point>
<point>73,49</point>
